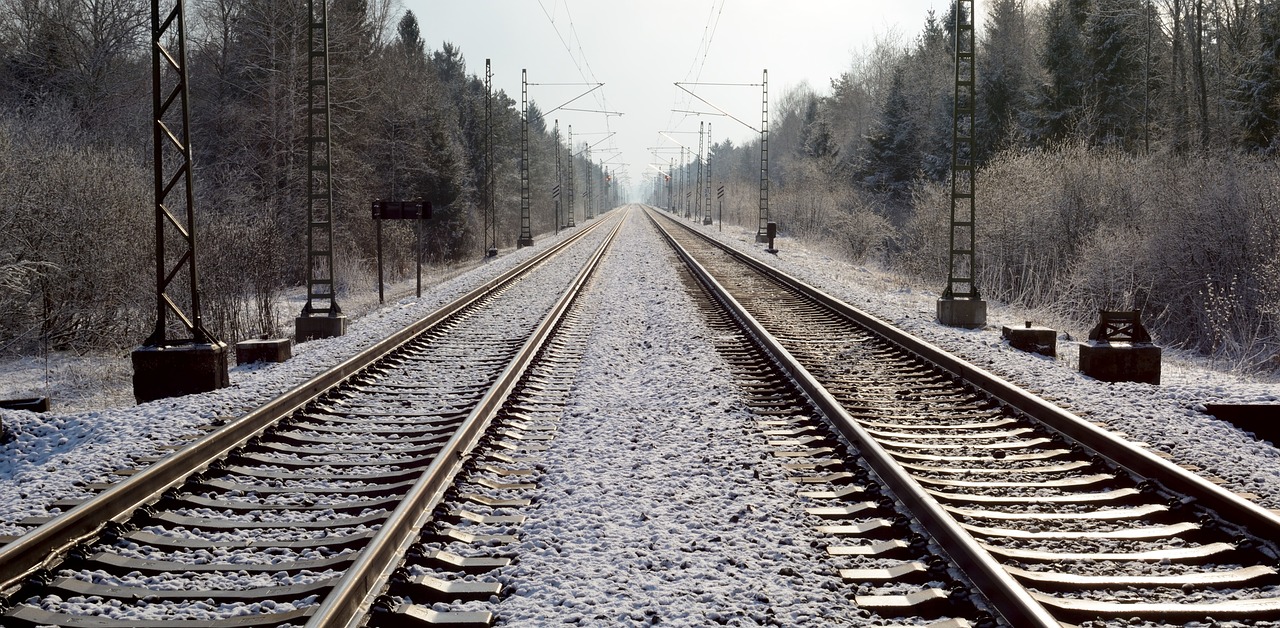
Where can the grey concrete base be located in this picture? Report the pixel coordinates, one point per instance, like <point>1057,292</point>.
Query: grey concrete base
<point>523,242</point>
<point>968,313</point>
<point>1121,362</point>
<point>264,350</point>
<point>315,327</point>
<point>707,220</point>
<point>160,372</point>
<point>762,237</point>
<point>1032,339</point>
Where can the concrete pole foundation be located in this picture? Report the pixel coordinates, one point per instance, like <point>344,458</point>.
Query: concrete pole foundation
<point>161,372</point>
<point>967,313</point>
<point>317,327</point>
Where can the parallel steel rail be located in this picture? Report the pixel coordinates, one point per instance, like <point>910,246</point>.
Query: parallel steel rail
<point>354,595</point>
<point>47,545</point>
<point>1008,596</point>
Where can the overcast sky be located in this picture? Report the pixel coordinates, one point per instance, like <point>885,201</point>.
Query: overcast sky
<point>638,49</point>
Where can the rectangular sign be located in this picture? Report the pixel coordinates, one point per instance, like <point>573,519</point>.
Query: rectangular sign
<point>720,192</point>
<point>401,210</point>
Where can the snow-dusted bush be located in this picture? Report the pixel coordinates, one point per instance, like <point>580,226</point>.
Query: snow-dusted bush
<point>1191,241</point>
<point>73,240</point>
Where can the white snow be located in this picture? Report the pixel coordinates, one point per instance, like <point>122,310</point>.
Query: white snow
<point>643,512</point>
<point>1170,417</point>
<point>643,405</point>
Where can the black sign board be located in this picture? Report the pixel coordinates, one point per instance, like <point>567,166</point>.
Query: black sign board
<point>401,210</point>
<point>720,192</point>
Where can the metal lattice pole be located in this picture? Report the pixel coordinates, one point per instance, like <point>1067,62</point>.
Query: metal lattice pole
<point>671,172</point>
<point>589,209</point>
<point>559,179</point>
<point>490,215</point>
<point>961,269</point>
<point>321,290</point>
<point>570,189</point>
<point>706,205</point>
<point>764,161</point>
<point>684,174</point>
<point>697,190</point>
<point>173,148</point>
<point>526,231</point>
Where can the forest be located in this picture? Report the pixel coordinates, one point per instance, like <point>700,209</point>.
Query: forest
<point>1127,154</point>
<point>75,160</point>
<point>1127,160</point>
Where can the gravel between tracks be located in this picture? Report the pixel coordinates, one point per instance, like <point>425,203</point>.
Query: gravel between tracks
<point>643,516</point>
<point>663,388</point>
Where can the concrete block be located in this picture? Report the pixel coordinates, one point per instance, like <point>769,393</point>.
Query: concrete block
<point>264,350</point>
<point>1120,362</point>
<point>968,313</point>
<point>160,372</point>
<point>30,404</point>
<point>523,242</point>
<point>1032,339</point>
<point>315,327</point>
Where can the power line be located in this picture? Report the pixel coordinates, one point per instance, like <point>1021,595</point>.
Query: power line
<point>588,74</point>
<point>704,49</point>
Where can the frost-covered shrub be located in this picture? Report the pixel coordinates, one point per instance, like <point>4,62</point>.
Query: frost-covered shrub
<point>74,235</point>
<point>1191,241</point>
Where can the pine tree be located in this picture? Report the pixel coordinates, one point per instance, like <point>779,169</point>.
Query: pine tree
<point>1059,103</point>
<point>1004,76</point>
<point>1114,39</point>
<point>892,158</point>
<point>1258,87</point>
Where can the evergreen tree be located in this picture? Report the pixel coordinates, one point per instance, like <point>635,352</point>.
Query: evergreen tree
<point>892,158</point>
<point>1258,87</point>
<point>1114,39</point>
<point>1059,103</point>
<point>929,84</point>
<point>1004,77</point>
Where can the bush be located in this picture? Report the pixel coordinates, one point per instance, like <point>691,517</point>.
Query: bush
<point>72,249</point>
<point>1191,241</point>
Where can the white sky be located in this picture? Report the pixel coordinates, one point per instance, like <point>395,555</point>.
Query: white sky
<point>638,49</point>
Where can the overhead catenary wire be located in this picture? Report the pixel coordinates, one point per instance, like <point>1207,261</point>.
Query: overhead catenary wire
<point>580,59</point>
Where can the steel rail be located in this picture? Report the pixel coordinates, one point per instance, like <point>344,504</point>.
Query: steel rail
<point>45,546</point>
<point>1138,461</point>
<point>1006,595</point>
<point>353,596</point>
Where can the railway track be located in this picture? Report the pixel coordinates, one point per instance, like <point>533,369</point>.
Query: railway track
<point>1051,519</point>
<point>301,511</point>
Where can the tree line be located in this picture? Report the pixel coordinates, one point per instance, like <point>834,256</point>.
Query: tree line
<point>75,160</point>
<point>1126,151</point>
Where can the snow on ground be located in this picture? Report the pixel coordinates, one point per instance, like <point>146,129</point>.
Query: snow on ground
<point>46,457</point>
<point>1169,417</point>
<point>627,390</point>
<point>76,383</point>
<point>642,513</point>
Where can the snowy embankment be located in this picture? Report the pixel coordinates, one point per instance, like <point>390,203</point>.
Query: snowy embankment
<point>51,453</point>
<point>48,456</point>
<point>1170,418</point>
